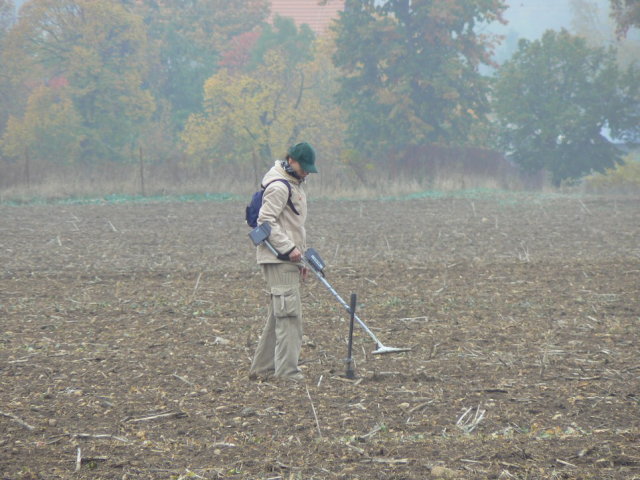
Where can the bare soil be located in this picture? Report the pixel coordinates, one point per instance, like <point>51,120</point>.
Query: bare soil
<point>127,330</point>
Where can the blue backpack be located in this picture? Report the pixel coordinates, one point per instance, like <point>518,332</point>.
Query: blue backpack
<point>253,209</point>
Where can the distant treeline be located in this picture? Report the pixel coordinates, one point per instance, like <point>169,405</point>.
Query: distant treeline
<point>210,87</point>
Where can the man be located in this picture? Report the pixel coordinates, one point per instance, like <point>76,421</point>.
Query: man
<point>285,211</point>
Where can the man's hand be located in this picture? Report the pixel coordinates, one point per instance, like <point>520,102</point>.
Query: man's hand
<point>295,255</point>
<point>304,271</point>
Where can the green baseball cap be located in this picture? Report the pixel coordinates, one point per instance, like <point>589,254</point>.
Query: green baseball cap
<point>305,155</point>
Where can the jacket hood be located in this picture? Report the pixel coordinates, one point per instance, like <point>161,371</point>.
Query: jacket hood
<point>278,171</point>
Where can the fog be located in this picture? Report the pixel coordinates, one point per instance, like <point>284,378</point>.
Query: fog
<point>530,18</point>
<point>155,150</point>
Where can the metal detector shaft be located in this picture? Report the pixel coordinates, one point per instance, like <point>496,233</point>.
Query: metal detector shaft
<point>380,347</point>
<point>345,305</point>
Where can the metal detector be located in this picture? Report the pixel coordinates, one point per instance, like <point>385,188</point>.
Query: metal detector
<point>311,259</point>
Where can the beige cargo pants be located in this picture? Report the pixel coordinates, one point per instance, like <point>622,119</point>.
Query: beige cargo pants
<point>279,346</point>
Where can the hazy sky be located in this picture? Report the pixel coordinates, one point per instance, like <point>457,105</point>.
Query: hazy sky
<point>530,18</point>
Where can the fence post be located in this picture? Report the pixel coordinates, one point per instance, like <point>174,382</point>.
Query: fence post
<point>26,167</point>
<point>141,171</point>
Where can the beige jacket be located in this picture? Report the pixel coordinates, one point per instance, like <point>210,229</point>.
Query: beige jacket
<point>287,228</point>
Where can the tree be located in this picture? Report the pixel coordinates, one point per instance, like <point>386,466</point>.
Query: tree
<point>7,91</point>
<point>553,101</point>
<point>238,53</point>
<point>409,71</point>
<point>256,111</point>
<point>592,21</point>
<point>187,39</point>
<point>98,50</point>
<point>626,13</point>
<point>50,130</point>
<point>6,16</point>
<point>294,43</point>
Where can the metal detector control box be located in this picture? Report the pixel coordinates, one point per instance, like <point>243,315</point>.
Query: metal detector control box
<point>260,233</point>
<point>313,259</point>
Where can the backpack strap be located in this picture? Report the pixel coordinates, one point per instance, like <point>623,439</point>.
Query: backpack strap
<point>289,202</point>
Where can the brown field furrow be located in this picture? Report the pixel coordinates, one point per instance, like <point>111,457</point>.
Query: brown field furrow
<point>127,333</point>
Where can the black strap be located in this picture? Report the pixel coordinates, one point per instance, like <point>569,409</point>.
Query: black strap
<point>289,202</point>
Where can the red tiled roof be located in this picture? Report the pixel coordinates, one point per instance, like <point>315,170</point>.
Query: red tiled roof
<point>311,12</point>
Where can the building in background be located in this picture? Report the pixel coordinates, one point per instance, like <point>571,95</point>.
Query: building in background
<point>318,14</point>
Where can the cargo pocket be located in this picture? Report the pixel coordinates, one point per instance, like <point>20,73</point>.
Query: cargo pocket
<point>285,302</point>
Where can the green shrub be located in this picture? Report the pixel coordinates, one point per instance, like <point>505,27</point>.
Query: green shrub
<point>620,179</point>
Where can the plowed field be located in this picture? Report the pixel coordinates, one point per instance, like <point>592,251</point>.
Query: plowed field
<point>127,330</point>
